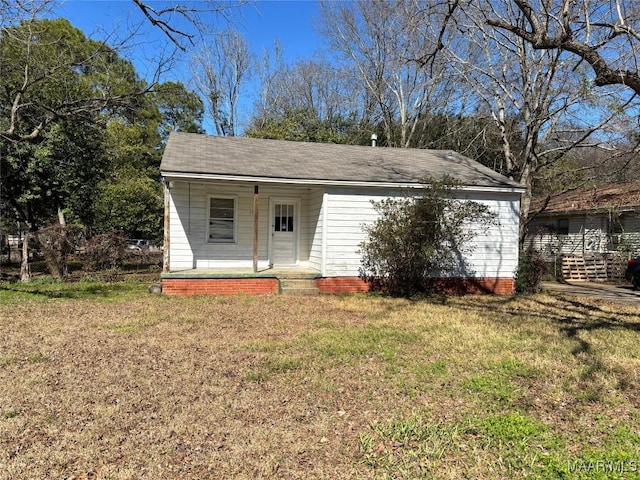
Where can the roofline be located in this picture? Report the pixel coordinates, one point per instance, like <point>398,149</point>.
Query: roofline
<point>332,183</point>
<point>587,211</point>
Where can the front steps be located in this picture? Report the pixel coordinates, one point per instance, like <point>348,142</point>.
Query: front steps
<point>298,286</point>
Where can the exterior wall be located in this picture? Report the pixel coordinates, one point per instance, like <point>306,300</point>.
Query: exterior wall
<point>189,248</point>
<point>495,253</point>
<point>587,234</point>
<point>316,226</point>
<point>180,251</point>
<point>331,229</point>
<point>347,210</point>
<point>447,286</point>
<point>474,286</point>
<point>338,285</point>
<point>496,249</point>
<point>630,240</point>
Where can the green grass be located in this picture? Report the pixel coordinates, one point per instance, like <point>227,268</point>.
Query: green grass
<point>542,387</point>
<point>501,381</point>
<point>408,448</point>
<point>345,345</point>
<point>46,288</point>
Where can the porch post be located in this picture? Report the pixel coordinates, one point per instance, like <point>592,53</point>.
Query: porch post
<point>256,205</point>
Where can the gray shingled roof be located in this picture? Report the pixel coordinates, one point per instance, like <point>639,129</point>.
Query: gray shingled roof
<point>202,155</point>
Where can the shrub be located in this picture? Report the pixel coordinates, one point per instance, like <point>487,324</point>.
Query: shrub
<point>531,268</point>
<point>105,251</point>
<point>57,242</point>
<point>419,237</point>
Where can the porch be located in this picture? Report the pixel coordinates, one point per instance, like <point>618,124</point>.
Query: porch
<point>277,280</point>
<point>273,272</point>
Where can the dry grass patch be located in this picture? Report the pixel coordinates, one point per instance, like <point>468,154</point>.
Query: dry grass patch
<point>141,386</point>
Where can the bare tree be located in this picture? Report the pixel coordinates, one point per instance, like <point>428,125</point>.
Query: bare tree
<point>219,71</point>
<point>606,35</point>
<point>269,70</point>
<point>167,19</point>
<point>310,85</point>
<point>393,47</point>
<point>12,11</point>
<point>538,97</point>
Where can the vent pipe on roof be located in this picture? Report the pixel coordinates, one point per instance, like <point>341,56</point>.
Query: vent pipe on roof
<point>374,139</point>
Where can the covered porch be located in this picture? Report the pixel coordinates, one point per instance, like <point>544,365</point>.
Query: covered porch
<point>238,228</point>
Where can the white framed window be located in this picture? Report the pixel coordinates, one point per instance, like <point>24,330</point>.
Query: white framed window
<point>221,219</point>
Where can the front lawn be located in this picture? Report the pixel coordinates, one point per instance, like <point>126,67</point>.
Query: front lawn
<point>107,381</point>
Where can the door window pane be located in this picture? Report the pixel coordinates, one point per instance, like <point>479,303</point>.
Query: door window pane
<point>283,218</point>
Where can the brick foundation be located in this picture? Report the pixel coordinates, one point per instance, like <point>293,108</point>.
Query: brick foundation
<point>474,286</point>
<point>446,286</point>
<point>332,285</point>
<point>337,285</point>
<point>219,286</point>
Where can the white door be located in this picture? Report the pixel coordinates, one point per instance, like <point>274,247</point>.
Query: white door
<point>284,232</point>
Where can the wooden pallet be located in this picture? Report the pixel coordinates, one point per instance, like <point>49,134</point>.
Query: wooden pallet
<point>594,266</point>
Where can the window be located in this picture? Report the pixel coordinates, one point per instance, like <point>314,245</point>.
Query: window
<point>563,226</point>
<point>222,220</point>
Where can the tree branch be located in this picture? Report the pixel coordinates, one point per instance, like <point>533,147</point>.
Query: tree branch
<point>540,39</point>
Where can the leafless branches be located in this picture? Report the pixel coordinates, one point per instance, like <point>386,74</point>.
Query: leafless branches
<point>585,29</point>
<point>389,45</point>
<point>175,20</point>
<point>220,70</point>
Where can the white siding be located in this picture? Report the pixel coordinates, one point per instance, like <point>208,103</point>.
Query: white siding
<point>347,211</point>
<point>331,222</point>
<point>180,253</point>
<point>316,228</point>
<point>495,251</point>
<point>586,235</point>
<point>631,236</point>
<point>189,247</point>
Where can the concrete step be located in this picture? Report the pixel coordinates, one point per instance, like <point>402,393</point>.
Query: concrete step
<point>300,291</point>
<point>298,286</point>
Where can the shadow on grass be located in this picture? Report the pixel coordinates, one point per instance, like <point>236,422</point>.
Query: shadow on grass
<point>70,290</point>
<point>572,316</point>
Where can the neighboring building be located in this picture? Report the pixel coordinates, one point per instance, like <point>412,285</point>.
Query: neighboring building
<point>589,220</point>
<point>311,201</point>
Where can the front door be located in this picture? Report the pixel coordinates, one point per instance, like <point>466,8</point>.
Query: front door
<point>284,232</point>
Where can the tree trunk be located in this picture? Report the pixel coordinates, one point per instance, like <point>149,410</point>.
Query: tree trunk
<point>61,219</point>
<point>25,269</point>
<point>525,204</point>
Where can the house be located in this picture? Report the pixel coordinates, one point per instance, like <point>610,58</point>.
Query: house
<point>594,219</point>
<point>241,214</point>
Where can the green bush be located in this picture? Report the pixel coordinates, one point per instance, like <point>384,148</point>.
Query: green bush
<point>531,269</point>
<point>420,237</point>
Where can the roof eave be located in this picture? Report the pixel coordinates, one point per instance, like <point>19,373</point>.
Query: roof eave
<point>325,182</point>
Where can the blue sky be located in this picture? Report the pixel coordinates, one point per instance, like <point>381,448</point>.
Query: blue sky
<point>262,22</point>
